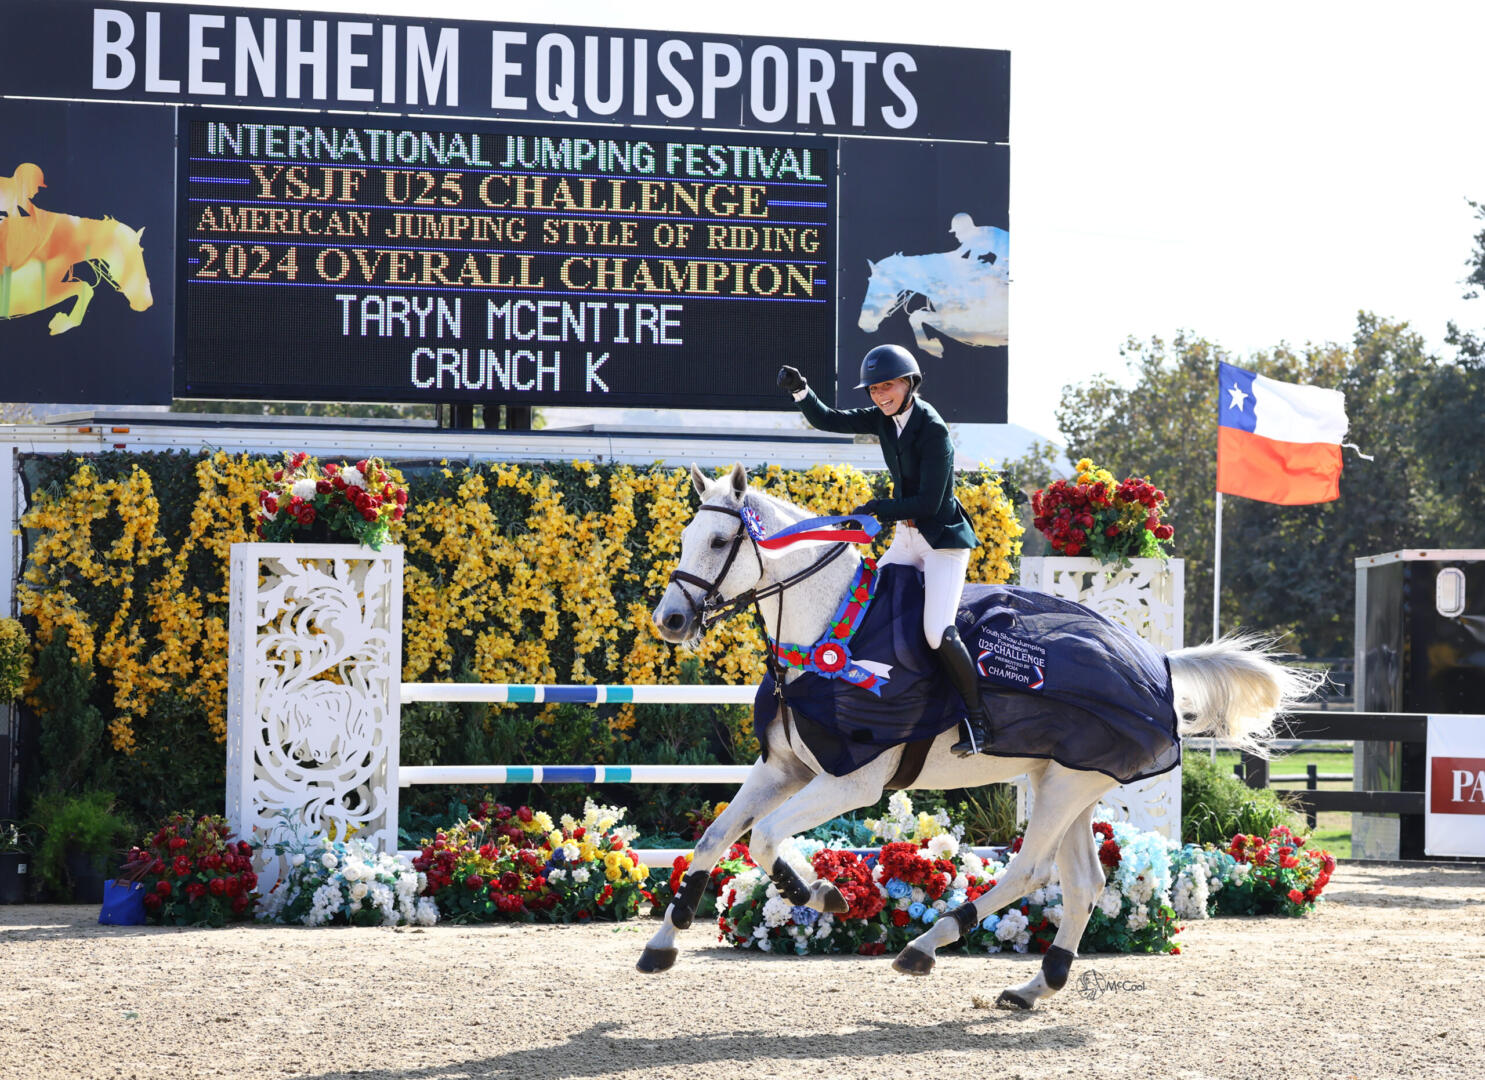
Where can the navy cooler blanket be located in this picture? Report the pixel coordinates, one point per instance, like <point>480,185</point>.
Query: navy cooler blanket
<point>1058,680</point>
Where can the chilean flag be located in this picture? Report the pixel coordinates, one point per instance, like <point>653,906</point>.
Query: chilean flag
<point>1278,442</point>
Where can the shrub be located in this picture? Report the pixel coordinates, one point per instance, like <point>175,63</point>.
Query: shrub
<point>15,659</point>
<point>1215,805</point>
<point>83,823</point>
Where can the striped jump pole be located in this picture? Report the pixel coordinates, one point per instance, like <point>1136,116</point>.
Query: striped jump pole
<point>409,775</point>
<point>570,694</point>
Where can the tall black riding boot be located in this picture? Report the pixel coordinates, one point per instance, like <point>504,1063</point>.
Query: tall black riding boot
<point>960,668</point>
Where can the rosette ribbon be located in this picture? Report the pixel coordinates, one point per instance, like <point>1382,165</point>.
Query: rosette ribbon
<point>831,655</point>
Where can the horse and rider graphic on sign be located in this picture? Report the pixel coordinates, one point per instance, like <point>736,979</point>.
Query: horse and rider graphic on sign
<point>963,292</point>
<point>40,252</point>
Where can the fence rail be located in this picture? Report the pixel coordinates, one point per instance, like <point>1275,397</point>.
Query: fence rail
<point>1341,726</point>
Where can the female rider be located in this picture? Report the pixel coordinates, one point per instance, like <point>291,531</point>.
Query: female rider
<point>933,533</point>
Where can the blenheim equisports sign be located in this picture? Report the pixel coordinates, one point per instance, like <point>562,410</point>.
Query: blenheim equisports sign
<point>403,209</point>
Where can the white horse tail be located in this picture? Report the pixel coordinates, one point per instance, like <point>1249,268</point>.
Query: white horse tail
<point>1235,689</point>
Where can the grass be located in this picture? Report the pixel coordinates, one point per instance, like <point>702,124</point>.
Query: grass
<point>1333,830</point>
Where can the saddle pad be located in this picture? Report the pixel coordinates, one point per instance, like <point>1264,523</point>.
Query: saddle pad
<point>1058,680</point>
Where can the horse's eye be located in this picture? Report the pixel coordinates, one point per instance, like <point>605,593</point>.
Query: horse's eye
<point>718,542</point>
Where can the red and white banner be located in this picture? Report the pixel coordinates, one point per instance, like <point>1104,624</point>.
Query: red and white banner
<point>1454,789</point>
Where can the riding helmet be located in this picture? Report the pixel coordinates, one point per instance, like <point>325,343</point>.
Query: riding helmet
<point>888,362</point>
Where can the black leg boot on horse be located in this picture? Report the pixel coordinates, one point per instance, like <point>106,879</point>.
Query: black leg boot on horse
<point>954,658</point>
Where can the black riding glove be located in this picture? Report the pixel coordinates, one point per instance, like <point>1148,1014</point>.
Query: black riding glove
<point>866,509</point>
<point>790,380</point>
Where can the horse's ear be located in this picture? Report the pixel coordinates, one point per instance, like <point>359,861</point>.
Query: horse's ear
<point>739,480</point>
<point>699,480</point>
<point>140,234</point>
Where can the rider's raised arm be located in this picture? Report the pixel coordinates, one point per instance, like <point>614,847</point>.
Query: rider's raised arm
<point>844,421</point>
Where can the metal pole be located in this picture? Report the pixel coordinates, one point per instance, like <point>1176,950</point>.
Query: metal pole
<point>1217,574</point>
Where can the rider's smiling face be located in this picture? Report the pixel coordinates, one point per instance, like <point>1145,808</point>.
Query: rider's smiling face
<point>888,396</point>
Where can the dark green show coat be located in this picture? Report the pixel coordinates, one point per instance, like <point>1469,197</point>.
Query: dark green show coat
<point>920,460</point>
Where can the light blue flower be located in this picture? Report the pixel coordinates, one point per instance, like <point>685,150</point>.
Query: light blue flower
<point>957,897</point>
<point>898,889</point>
<point>804,916</point>
<point>990,922</point>
<point>915,911</point>
<point>930,916</point>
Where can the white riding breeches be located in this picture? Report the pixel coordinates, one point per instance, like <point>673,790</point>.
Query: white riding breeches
<point>943,577</point>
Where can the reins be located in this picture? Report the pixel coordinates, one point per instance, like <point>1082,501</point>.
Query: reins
<point>714,607</point>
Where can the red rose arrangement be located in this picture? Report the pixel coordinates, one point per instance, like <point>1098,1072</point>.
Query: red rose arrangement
<point>194,873</point>
<point>1112,521</point>
<point>1286,877</point>
<point>358,501</point>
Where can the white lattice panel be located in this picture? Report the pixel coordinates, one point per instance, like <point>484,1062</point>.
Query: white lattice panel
<point>1149,597</point>
<point>312,699</point>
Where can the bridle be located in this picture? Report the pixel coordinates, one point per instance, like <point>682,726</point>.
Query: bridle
<point>713,606</point>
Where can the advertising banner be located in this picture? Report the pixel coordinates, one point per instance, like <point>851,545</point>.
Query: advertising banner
<point>358,208</point>
<point>1454,791</point>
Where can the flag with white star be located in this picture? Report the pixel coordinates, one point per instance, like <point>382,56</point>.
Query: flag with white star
<point>1278,442</point>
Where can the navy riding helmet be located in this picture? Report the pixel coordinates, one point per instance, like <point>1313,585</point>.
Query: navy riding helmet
<point>887,362</point>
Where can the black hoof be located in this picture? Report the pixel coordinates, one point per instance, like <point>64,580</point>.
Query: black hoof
<point>653,960</point>
<point>835,901</point>
<point>1009,999</point>
<point>913,961</point>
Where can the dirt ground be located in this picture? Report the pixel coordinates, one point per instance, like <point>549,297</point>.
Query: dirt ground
<point>1385,980</point>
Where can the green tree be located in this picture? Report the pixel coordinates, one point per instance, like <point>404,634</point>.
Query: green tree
<point>1286,569</point>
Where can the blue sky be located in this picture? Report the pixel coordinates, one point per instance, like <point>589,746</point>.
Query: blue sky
<point>1252,173</point>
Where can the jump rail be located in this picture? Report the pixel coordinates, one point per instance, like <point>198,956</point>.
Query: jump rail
<point>409,775</point>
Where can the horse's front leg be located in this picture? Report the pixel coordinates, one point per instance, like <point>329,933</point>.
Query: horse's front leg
<point>768,784</point>
<point>822,798</point>
<point>63,321</point>
<point>918,320</point>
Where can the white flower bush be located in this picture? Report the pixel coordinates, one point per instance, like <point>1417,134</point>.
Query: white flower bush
<point>347,881</point>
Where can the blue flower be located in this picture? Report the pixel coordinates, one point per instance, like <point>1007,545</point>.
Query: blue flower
<point>898,889</point>
<point>804,916</point>
<point>957,897</point>
<point>930,916</point>
<point>916,910</point>
<point>990,922</point>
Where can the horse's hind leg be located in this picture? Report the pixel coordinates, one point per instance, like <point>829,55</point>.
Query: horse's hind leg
<point>1061,797</point>
<point>768,784</point>
<point>1082,881</point>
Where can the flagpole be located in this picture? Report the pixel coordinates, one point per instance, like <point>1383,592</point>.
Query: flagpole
<point>1217,573</point>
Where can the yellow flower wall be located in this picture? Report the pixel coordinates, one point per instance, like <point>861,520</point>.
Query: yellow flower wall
<point>514,573</point>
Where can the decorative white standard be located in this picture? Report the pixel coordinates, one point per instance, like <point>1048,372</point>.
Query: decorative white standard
<point>312,694</point>
<point>1148,597</point>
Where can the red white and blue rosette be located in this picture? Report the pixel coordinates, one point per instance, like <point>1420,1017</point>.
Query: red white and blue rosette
<point>831,655</point>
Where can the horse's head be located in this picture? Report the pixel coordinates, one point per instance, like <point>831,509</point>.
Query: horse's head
<point>883,292</point>
<point>123,259</point>
<point>717,562</point>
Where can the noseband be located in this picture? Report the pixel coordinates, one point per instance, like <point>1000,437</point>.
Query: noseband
<point>714,606</point>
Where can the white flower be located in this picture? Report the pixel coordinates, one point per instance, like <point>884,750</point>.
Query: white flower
<point>298,859</point>
<point>776,912</point>
<point>359,890</point>
<point>580,875</point>
<point>918,895</point>
<point>555,876</point>
<point>764,945</point>
<point>1109,901</point>
<point>352,476</point>
<point>427,911</point>
<point>304,489</point>
<point>329,861</point>
<point>943,846</point>
<point>1138,919</point>
<point>1011,924</point>
<point>1054,914</point>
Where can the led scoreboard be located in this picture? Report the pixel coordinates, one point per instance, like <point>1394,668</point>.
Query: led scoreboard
<point>341,258</point>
